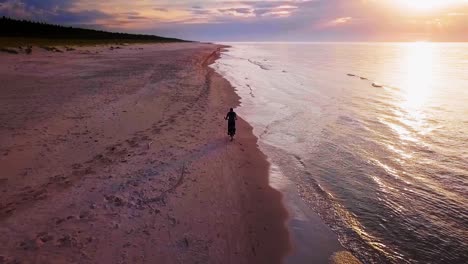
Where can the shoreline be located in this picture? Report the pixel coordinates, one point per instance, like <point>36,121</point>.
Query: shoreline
<point>311,238</point>
<point>280,236</point>
<point>129,161</point>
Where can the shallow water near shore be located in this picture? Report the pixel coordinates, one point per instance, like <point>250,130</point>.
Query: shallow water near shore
<point>373,137</point>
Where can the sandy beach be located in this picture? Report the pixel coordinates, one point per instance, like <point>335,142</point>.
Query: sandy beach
<point>119,155</point>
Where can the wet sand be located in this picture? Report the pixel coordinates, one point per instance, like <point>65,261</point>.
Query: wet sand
<point>120,156</point>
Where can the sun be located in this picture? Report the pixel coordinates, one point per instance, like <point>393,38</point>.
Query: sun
<point>427,5</point>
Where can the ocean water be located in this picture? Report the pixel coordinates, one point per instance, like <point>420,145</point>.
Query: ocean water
<point>374,137</point>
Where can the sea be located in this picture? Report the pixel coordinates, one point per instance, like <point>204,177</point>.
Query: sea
<point>373,137</point>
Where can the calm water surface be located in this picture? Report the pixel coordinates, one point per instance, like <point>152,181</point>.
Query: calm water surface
<point>385,167</point>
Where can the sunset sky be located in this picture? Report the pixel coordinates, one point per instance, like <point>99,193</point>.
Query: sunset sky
<point>229,20</point>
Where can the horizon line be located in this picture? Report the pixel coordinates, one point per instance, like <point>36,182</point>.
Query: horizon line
<point>318,41</point>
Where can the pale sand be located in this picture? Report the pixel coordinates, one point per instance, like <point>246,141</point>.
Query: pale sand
<point>120,156</point>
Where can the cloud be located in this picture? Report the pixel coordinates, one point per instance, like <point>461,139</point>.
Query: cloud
<point>342,20</point>
<point>18,9</point>
<point>81,17</point>
<point>50,4</point>
<point>238,12</point>
<point>339,21</point>
<point>280,11</point>
<point>457,14</point>
<point>161,9</point>
<point>200,11</point>
<point>37,10</point>
<point>136,17</point>
<point>298,20</point>
<point>259,9</point>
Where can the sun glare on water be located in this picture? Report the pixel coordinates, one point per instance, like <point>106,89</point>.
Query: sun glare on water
<point>418,77</point>
<point>419,73</point>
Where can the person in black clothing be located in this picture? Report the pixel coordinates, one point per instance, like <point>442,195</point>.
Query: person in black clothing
<point>231,117</point>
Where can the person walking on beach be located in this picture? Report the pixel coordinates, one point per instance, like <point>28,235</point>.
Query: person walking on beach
<point>231,117</point>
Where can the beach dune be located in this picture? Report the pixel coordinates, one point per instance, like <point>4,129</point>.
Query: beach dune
<point>120,156</point>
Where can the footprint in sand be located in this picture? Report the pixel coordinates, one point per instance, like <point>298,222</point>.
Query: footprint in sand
<point>114,200</point>
<point>28,245</point>
<point>172,220</point>
<point>85,215</point>
<point>44,237</point>
<point>66,241</point>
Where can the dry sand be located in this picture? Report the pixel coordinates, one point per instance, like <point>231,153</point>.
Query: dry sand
<point>120,156</point>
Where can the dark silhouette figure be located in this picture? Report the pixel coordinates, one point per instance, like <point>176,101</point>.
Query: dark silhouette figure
<point>231,117</point>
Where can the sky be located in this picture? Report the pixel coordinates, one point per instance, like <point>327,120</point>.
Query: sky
<point>269,20</point>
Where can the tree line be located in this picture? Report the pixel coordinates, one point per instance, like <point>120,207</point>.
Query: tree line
<point>28,29</point>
